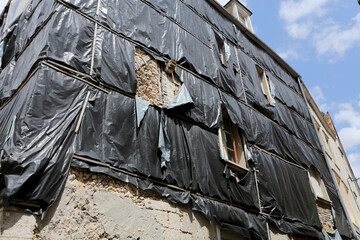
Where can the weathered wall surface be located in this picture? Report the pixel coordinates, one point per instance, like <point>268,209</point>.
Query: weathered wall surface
<point>325,216</point>
<point>95,206</point>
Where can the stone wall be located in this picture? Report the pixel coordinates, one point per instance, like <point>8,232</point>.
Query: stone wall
<point>325,215</point>
<point>153,83</point>
<point>95,206</point>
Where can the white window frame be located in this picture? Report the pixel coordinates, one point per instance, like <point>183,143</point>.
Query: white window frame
<point>265,84</point>
<point>317,185</point>
<point>238,146</point>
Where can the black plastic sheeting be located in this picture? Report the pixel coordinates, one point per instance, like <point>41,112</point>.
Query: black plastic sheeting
<point>37,123</point>
<point>38,152</point>
<point>341,222</point>
<point>75,50</point>
<point>285,190</point>
<point>296,229</point>
<point>104,136</point>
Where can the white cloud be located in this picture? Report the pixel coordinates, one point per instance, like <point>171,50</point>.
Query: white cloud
<point>354,159</point>
<point>299,16</point>
<point>337,39</point>
<point>313,20</point>
<point>317,94</point>
<point>299,30</point>
<point>292,11</point>
<point>350,137</point>
<point>288,54</point>
<point>348,115</point>
<point>350,134</point>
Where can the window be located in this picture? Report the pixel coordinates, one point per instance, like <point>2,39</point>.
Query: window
<point>232,144</point>
<point>224,234</point>
<point>222,50</point>
<point>265,84</point>
<point>341,152</point>
<point>317,185</point>
<point>327,144</point>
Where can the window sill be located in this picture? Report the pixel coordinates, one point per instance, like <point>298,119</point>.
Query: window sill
<point>323,200</point>
<point>236,167</point>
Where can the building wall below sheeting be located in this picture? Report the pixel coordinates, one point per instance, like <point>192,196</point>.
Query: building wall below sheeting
<point>95,206</point>
<point>277,235</point>
<point>325,216</point>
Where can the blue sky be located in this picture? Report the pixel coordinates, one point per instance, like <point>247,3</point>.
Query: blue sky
<point>320,39</point>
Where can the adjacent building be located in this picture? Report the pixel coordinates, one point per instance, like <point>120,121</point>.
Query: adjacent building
<point>147,119</point>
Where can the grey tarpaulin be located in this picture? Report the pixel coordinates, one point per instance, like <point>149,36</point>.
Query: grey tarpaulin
<point>182,98</point>
<point>332,236</point>
<point>141,108</point>
<point>120,132</point>
<point>164,146</point>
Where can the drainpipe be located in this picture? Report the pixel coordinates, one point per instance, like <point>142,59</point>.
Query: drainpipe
<point>327,163</point>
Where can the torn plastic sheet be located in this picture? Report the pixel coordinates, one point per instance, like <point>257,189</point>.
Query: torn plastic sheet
<point>141,108</point>
<point>340,219</point>
<point>332,236</point>
<point>164,146</point>
<point>104,134</point>
<point>272,92</point>
<point>285,190</point>
<point>37,155</point>
<point>182,98</point>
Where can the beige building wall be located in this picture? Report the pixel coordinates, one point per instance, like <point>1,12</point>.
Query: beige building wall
<point>340,166</point>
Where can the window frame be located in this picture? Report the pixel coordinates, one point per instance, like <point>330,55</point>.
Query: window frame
<point>265,84</point>
<point>221,47</point>
<point>315,175</point>
<point>237,143</point>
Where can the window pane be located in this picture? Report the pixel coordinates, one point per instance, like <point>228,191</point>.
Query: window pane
<point>231,155</point>
<point>229,141</point>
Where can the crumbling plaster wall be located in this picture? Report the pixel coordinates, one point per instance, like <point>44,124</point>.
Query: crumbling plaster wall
<point>95,206</point>
<point>325,216</point>
<point>154,85</point>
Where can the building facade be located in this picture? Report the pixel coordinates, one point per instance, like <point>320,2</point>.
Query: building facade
<point>340,166</point>
<point>146,119</point>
